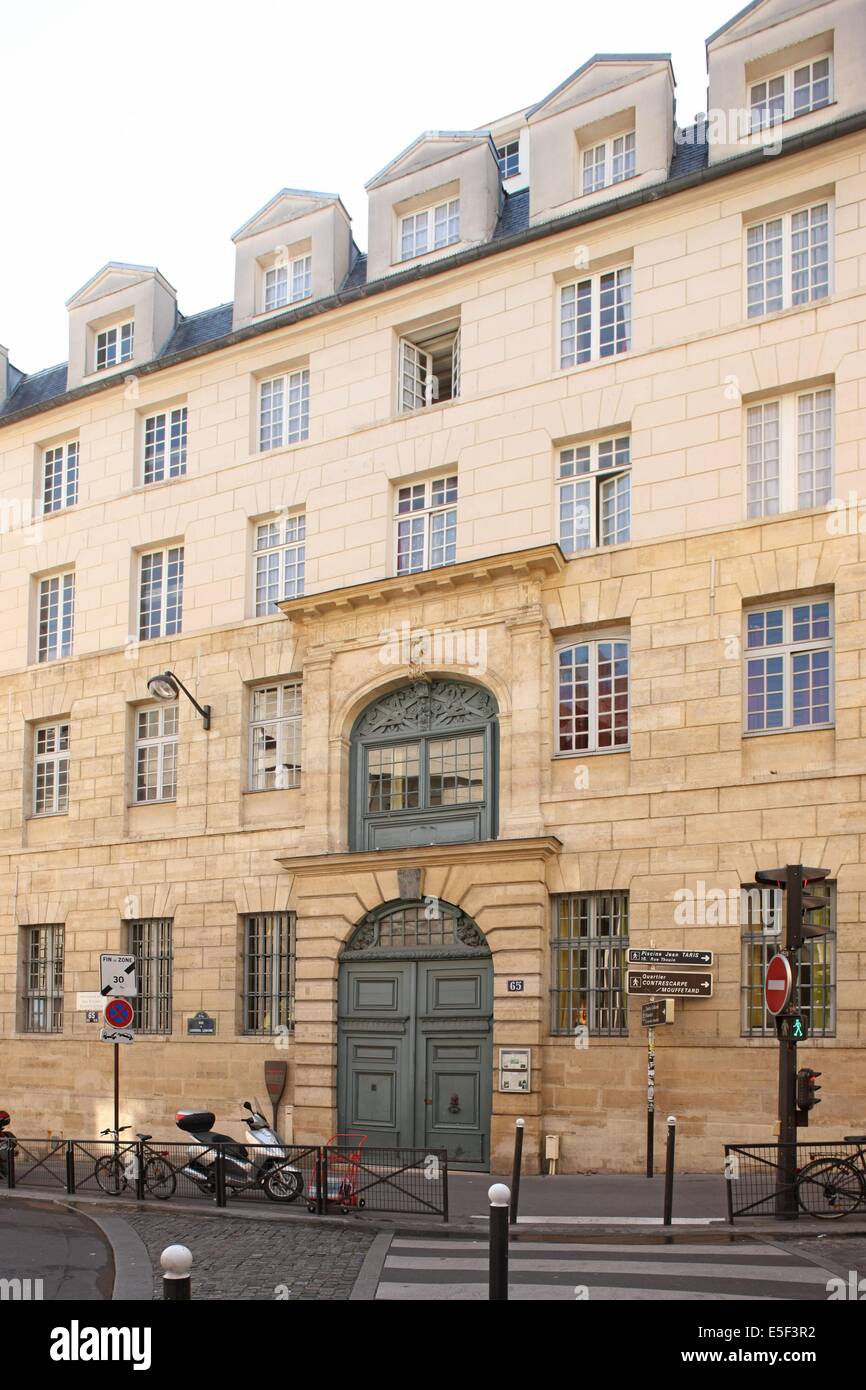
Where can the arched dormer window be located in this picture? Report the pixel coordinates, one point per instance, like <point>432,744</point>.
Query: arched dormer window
<point>424,767</point>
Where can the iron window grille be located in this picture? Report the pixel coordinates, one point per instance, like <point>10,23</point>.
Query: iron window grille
<point>43,999</point>
<point>56,617</point>
<point>426,525</point>
<point>60,477</point>
<point>789,667</point>
<point>279,562</point>
<point>594,494</point>
<point>51,770</point>
<point>588,951</point>
<point>275,736</point>
<point>165,439</point>
<point>762,938</point>
<point>150,943</point>
<point>156,754</point>
<point>289,283</point>
<point>595,317</point>
<point>509,159</point>
<point>284,409</point>
<point>788,260</point>
<point>269,973</point>
<point>593,697</point>
<point>115,345</point>
<point>160,610</point>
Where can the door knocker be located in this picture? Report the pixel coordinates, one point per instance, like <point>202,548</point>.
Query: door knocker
<point>454,1107</point>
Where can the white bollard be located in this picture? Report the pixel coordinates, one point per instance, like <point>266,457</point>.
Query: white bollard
<point>176,1262</point>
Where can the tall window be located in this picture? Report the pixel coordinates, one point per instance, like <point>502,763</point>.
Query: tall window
<point>429,366</point>
<point>594,494</point>
<point>789,666</point>
<point>287,284</point>
<point>269,972</point>
<point>275,736</point>
<point>789,453</point>
<point>426,525</point>
<point>43,966</point>
<point>279,562</point>
<point>160,609</point>
<point>788,260</point>
<point>595,317</point>
<point>284,409</point>
<point>156,753</point>
<point>791,93</point>
<point>593,697</point>
<point>762,918</point>
<point>509,158</point>
<point>150,943</point>
<point>56,617</point>
<point>51,770</point>
<point>430,229</point>
<point>609,162</point>
<point>165,445</point>
<point>588,953</point>
<point>60,476</point>
<point>114,345</point>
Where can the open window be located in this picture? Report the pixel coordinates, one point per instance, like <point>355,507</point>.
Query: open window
<point>429,366</point>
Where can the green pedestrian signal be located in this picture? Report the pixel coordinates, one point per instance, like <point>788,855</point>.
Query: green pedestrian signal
<point>799,1030</point>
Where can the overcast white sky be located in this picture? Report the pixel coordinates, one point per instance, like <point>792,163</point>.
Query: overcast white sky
<point>150,132</point>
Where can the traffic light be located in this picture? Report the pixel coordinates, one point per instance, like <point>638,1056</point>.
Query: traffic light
<point>794,881</point>
<point>809,903</point>
<point>807,1091</point>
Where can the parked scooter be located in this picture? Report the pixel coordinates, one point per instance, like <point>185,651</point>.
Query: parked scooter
<point>267,1167</point>
<point>7,1143</point>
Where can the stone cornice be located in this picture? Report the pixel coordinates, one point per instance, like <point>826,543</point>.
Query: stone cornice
<point>428,856</point>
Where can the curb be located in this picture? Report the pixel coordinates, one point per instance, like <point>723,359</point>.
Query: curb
<point>133,1271</point>
<point>367,1281</point>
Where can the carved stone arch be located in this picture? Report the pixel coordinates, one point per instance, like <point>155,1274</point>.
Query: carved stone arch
<point>416,929</point>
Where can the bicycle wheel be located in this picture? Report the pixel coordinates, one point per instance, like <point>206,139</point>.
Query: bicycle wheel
<point>829,1188</point>
<point>159,1178</point>
<point>110,1175</point>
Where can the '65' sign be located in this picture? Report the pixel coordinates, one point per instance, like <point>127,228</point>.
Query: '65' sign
<point>515,986</point>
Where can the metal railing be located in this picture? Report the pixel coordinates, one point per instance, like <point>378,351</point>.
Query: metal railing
<point>786,1180</point>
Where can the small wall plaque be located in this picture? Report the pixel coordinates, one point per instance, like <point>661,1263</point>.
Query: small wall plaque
<point>201,1024</point>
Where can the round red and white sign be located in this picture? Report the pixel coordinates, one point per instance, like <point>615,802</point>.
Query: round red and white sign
<point>778,984</point>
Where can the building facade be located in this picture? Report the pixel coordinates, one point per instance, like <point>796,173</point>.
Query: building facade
<point>519,564</point>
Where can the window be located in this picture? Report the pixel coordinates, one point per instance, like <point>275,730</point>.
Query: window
<point>789,666</point>
<point>51,770</point>
<point>56,617</point>
<point>789,453</point>
<point>279,557</point>
<point>610,162</point>
<point>43,997</point>
<point>429,229</point>
<point>286,284</point>
<point>595,317</point>
<point>275,736</point>
<point>791,93</point>
<point>509,159</point>
<point>165,445</point>
<point>114,345</point>
<point>284,409</point>
<point>594,494</point>
<point>429,367</point>
<point>762,939</point>
<point>426,525</point>
<point>590,942</point>
<point>160,608</point>
<point>60,476</point>
<point>269,972</point>
<point>593,697</point>
<point>156,753</point>
<point>788,260</point>
<point>150,943</point>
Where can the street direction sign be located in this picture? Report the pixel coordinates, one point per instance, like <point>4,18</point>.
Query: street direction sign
<point>117,976</point>
<point>670,957</point>
<point>677,984</point>
<point>778,984</point>
<point>116,1035</point>
<point>659,1011</point>
<point>118,1013</point>
<point>89,1000</point>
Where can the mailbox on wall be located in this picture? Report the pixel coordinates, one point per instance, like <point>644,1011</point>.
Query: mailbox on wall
<point>515,1069</point>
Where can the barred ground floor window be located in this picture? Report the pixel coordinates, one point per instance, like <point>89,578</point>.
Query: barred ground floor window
<point>763,938</point>
<point>269,972</point>
<point>588,951</point>
<point>150,943</point>
<point>43,979</point>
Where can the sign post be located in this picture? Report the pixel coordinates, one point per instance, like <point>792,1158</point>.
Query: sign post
<point>117,984</point>
<point>650,1097</point>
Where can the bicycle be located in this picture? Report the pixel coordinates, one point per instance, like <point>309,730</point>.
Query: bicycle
<point>115,1172</point>
<point>833,1186</point>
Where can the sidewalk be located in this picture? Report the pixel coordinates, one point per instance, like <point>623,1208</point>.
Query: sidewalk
<point>594,1199</point>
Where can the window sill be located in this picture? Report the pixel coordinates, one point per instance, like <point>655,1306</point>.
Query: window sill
<point>775,314</point>
<point>142,805</point>
<point>158,483</point>
<point>424,257</point>
<point>592,753</point>
<point>424,410</point>
<point>803,729</point>
<point>45,815</point>
<point>608,361</point>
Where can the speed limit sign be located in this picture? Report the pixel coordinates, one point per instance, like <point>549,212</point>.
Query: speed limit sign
<point>117,977</point>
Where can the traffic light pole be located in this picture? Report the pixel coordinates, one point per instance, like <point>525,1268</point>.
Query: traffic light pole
<point>786,1196</point>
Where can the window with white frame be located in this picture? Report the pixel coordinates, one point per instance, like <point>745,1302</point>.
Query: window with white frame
<point>114,345</point>
<point>43,975</point>
<point>288,282</point>
<point>789,453</point>
<point>593,696</point>
<point>426,525</point>
<point>509,158</point>
<point>429,366</point>
<point>430,229</point>
<point>609,162</point>
<point>160,604</point>
<point>275,736</point>
<point>56,617</point>
<point>788,260</point>
<point>595,317</point>
<point>51,770</point>
<point>792,93</point>
<point>284,409</point>
<point>594,494</point>
<point>279,561</point>
<point>155,754</point>
<point>60,476</point>
<point>165,436</point>
<point>789,666</point>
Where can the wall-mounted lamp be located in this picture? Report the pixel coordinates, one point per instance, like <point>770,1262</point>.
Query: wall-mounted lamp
<point>166,687</point>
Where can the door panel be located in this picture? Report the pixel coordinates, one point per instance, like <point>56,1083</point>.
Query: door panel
<point>375,1052</point>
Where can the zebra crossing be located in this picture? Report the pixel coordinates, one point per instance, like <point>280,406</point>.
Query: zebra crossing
<point>428,1269</point>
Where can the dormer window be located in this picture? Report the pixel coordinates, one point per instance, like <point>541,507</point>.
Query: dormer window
<point>114,345</point>
<point>609,162</point>
<point>288,283</point>
<point>793,93</point>
<point>509,158</point>
<point>430,229</point>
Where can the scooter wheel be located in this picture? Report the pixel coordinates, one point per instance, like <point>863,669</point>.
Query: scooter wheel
<point>282,1185</point>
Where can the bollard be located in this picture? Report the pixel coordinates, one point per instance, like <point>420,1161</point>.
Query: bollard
<point>500,1199</point>
<point>669,1168</point>
<point>176,1261</point>
<point>515,1169</point>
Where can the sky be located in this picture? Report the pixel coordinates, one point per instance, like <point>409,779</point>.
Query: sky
<point>151,132</point>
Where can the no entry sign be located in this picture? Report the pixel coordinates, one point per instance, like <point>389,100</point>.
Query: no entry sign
<point>778,983</point>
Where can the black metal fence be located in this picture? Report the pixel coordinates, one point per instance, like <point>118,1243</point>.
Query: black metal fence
<point>824,1179</point>
<point>316,1178</point>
